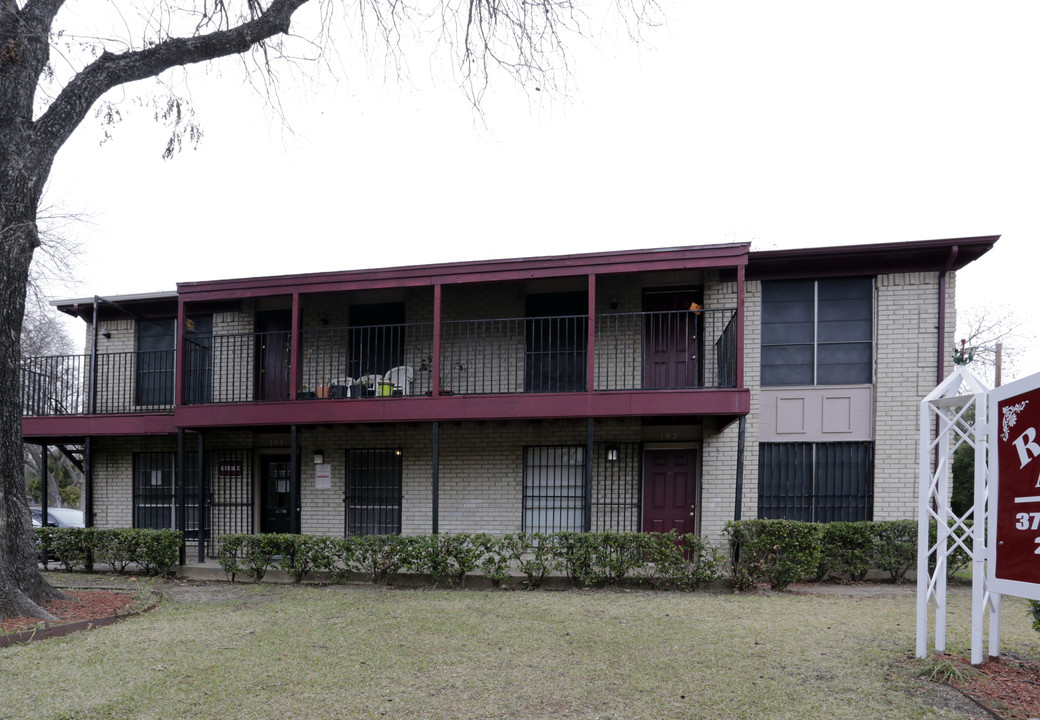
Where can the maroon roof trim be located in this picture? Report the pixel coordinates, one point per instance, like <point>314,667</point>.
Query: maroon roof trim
<point>871,259</point>
<point>629,261</point>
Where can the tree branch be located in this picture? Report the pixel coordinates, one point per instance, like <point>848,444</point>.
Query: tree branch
<point>111,70</point>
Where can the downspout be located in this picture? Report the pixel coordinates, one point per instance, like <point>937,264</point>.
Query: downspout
<point>940,360</point>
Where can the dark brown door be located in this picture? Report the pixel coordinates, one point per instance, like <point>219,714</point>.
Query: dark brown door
<point>274,330</point>
<point>670,491</point>
<point>670,340</point>
<point>276,479</point>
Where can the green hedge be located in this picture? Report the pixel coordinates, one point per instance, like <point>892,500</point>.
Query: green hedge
<point>660,560</point>
<point>154,551</point>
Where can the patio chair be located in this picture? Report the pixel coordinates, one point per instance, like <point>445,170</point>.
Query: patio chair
<point>401,377</point>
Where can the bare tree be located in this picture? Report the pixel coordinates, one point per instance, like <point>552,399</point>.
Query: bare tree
<point>51,76</point>
<point>980,330</point>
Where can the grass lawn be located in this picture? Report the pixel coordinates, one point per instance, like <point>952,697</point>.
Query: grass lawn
<point>267,651</point>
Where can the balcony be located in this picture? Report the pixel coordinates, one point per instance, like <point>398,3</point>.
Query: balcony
<point>539,356</point>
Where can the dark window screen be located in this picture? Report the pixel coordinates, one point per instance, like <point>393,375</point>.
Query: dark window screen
<point>821,482</point>
<point>817,332</point>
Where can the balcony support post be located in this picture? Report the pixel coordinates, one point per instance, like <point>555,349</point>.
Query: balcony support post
<point>180,352</point>
<point>44,481</point>
<point>586,522</point>
<point>88,483</point>
<point>436,479</point>
<point>178,475</point>
<point>296,351</point>
<point>92,399</point>
<point>435,360</point>
<point>294,472</point>
<point>740,326</point>
<point>590,352</point>
<point>203,503</point>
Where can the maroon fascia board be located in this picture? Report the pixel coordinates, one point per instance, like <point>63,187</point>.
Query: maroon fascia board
<point>47,427</point>
<point>726,402</point>
<point>872,259</point>
<point>630,261</point>
<point>469,407</point>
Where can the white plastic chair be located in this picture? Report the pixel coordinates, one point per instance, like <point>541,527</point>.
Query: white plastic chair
<point>401,377</point>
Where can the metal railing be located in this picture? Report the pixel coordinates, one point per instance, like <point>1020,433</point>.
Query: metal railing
<point>633,351</point>
<point>666,350</point>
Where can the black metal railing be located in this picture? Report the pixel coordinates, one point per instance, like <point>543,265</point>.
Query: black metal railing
<point>366,361</point>
<point>666,350</point>
<point>633,351</point>
<point>514,355</point>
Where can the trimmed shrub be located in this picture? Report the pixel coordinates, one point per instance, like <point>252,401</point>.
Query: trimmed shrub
<point>159,550</point>
<point>446,558</point>
<point>228,549</point>
<point>494,559</point>
<point>895,547</point>
<point>847,550</point>
<point>534,553</point>
<point>117,548</point>
<point>779,551</point>
<point>380,557</point>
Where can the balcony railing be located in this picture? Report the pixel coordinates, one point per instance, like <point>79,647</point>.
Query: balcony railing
<point>633,351</point>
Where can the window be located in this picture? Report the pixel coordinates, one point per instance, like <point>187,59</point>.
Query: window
<point>554,489</point>
<point>373,496</point>
<point>155,491</point>
<point>816,482</point>
<point>817,332</point>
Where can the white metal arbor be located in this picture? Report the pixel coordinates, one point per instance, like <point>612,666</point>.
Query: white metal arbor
<point>949,406</point>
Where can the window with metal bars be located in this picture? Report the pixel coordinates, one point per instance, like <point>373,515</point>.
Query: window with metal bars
<point>373,497</point>
<point>816,482</point>
<point>817,332</point>
<point>155,492</point>
<point>554,489</point>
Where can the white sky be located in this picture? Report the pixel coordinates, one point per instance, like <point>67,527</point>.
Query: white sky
<point>791,124</point>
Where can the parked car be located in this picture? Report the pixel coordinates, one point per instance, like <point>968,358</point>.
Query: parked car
<point>58,517</point>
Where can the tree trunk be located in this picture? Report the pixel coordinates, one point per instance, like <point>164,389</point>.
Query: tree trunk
<point>22,587</point>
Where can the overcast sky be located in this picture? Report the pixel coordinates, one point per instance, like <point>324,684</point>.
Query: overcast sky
<point>791,124</point>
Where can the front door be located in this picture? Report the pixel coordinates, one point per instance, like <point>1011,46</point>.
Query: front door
<point>670,340</point>
<point>670,491</point>
<point>276,506</point>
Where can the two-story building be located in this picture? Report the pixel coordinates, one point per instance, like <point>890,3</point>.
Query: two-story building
<point>637,390</point>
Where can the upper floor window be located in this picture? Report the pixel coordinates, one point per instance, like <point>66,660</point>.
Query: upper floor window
<point>818,332</point>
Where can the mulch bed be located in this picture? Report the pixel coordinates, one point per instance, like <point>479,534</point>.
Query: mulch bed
<point>1008,687</point>
<point>82,609</point>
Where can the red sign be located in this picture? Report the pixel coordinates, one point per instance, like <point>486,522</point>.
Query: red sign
<point>1015,488</point>
<point>228,468</point>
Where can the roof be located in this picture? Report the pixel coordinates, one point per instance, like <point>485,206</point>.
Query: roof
<point>872,259</point>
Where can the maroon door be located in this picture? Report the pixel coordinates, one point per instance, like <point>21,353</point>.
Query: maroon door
<point>272,355</point>
<point>670,340</point>
<point>669,491</point>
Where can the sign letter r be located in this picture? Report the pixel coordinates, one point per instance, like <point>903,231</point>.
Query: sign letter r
<point>1027,448</point>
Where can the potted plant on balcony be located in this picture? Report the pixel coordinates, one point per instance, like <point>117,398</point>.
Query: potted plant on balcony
<point>305,394</point>
<point>324,390</point>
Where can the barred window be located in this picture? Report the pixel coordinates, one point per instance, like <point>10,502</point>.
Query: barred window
<point>373,497</point>
<point>554,489</point>
<point>155,491</point>
<point>816,482</point>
